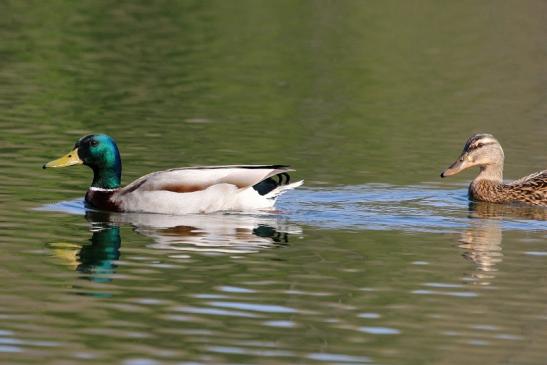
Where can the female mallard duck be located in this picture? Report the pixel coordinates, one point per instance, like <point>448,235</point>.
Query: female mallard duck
<point>485,151</point>
<point>176,191</point>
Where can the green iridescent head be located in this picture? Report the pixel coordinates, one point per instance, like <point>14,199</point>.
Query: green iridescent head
<point>100,153</point>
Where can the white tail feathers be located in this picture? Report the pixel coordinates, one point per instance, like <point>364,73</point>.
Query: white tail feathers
<point>282,189</point>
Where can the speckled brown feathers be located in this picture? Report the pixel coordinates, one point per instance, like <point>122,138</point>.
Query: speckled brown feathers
<point>484,151</point>
<point>531,189</point>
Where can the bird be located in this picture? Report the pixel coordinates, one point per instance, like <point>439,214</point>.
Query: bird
<point>185,190</point>
<point>484,150</point>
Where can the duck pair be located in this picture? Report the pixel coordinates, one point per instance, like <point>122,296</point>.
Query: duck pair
<point>208,189</point>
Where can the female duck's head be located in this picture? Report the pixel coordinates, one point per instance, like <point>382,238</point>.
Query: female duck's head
<point>99,152</point>
<point>482,150</point>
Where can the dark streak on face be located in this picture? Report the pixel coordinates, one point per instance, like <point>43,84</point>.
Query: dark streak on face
<point>474,142</point>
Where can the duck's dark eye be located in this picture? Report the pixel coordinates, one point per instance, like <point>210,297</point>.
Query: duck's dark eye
<point>93,143</point>
<point>479,145</point>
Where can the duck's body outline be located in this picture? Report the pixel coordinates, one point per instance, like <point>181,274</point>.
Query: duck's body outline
<point>184,190</point>
<point>485,151</point>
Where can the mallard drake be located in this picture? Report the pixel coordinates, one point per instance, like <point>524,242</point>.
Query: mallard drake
<point>485,151</point>
<point>184,190</point>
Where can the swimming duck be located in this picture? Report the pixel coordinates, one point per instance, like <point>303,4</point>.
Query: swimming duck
<point>184,190</point>
<point>485,151</point>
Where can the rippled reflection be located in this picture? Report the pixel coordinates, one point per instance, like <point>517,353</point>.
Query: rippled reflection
<point>507,211</point>
<point>482,245</point>
<point>482,241</point>
<point>213,233</point>
<point>206,234</point>
<point>97,257</point>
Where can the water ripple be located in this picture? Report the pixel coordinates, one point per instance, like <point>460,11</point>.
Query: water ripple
<point>413,208</point>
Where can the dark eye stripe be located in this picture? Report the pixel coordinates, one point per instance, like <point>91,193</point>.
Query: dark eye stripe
<point>479,145</point>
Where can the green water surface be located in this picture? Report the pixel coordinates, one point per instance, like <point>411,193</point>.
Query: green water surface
<point>374,261</point>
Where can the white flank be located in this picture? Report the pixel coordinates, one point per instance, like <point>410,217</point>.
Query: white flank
<point>221,189</point>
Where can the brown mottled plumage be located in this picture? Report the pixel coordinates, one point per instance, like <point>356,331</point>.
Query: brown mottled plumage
<point>484,150</point>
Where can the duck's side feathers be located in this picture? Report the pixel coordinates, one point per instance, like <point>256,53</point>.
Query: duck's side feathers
<point>215,198</point>
<point>186,180</point>
<point>531,189</point>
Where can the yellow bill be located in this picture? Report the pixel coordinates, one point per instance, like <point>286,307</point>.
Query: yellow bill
<point>69,159</point>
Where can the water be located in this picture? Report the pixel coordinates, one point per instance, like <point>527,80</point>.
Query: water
<point>374,261</point>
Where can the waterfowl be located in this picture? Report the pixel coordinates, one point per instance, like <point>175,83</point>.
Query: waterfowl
<point>485,151</point>
<point>202,189</point>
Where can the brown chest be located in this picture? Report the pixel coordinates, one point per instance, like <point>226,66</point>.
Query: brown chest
<point>102,200</point>
<point>487,191</point>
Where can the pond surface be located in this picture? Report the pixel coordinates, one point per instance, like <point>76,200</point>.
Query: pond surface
<point>374,261</point>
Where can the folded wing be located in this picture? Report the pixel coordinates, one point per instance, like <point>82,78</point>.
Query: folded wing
<point>192,179</point>
<point>537,180</point>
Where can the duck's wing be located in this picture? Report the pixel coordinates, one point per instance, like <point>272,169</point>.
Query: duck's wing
<point>535,180</point>
<point>191,179</point>
<point>531,189</point>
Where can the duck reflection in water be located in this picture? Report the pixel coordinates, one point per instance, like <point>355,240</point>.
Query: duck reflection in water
<point>99,257</point>
<point>205,234</point>
<point>215,233</point>
<point>482,245</point>
<point>482,241</point>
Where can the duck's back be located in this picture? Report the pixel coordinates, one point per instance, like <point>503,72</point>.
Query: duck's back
<point>206,189</point>
<point>531,189</point>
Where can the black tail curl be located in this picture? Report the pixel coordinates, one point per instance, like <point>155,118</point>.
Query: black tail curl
<point>269,184</point>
